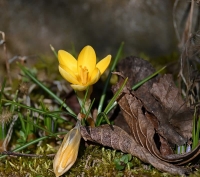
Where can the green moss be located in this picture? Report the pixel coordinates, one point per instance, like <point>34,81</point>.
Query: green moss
<point>98,161</point>
<point>31,166</point>
<point>92,161</point>
<point>21,166</point>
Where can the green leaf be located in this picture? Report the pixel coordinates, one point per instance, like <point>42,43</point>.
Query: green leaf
<point>129,157</point>
<point>22,135</point>
<point>118,164</point>
<point>124,159</point>
<point>103,95</point>
<point>147,78</point>
<point>114,98</point>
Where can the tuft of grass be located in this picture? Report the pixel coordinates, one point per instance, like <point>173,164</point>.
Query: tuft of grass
<point>34,79</point>
<point>195,129</point>
<point>113,65</point>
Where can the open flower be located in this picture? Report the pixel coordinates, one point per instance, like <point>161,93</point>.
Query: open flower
<point>82,72</point>
<point>68,151</point>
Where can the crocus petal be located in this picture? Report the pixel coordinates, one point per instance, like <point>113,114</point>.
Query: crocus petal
<point>66,59</point>
<point>87,58</point>
<point>79,87</point>
<point>64,67</point>
<point>70,78</point>
<point>68,151</point>
<point>103,64</point>
<point>94,76</point>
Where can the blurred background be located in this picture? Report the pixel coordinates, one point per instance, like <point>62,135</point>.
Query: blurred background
<point>146,26</point>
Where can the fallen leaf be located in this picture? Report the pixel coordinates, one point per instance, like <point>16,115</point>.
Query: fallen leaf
<point>156,115</point>
<point>115,137</point>
<point>168,95</point>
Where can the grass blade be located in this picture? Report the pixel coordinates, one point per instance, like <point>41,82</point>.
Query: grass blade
<point>51,113</point>
<point>53,50</point>
<point>112,101</point>
<point>195,129</point>
<point>147,78</point>
<point>103,95</point>
<point>61,102</point>
<point>100,117</point>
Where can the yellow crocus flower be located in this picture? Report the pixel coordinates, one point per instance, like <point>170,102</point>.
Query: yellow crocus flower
<point>82,72</point>
<point>68,151</point>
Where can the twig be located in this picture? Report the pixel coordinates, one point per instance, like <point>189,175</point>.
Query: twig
<point>185,40</point>
<point>17,154</point>
<point>174,19</point>
<point>6,57</point>
<point>9,133</point>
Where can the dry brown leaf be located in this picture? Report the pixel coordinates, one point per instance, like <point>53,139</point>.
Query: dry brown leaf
<point>136,70</point>
<point>152,113</point>
<point>115,137</point>
<point>179,115</point>
<point>148,117</point>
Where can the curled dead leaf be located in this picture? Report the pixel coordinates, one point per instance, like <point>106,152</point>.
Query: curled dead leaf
<point>156,115</point>
<point>115,137</point>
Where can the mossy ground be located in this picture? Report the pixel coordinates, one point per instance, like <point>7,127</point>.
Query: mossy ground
<point>92,161</point>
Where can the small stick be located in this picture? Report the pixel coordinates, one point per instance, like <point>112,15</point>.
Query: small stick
<point>17,154</point>
<point>6,57</point>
